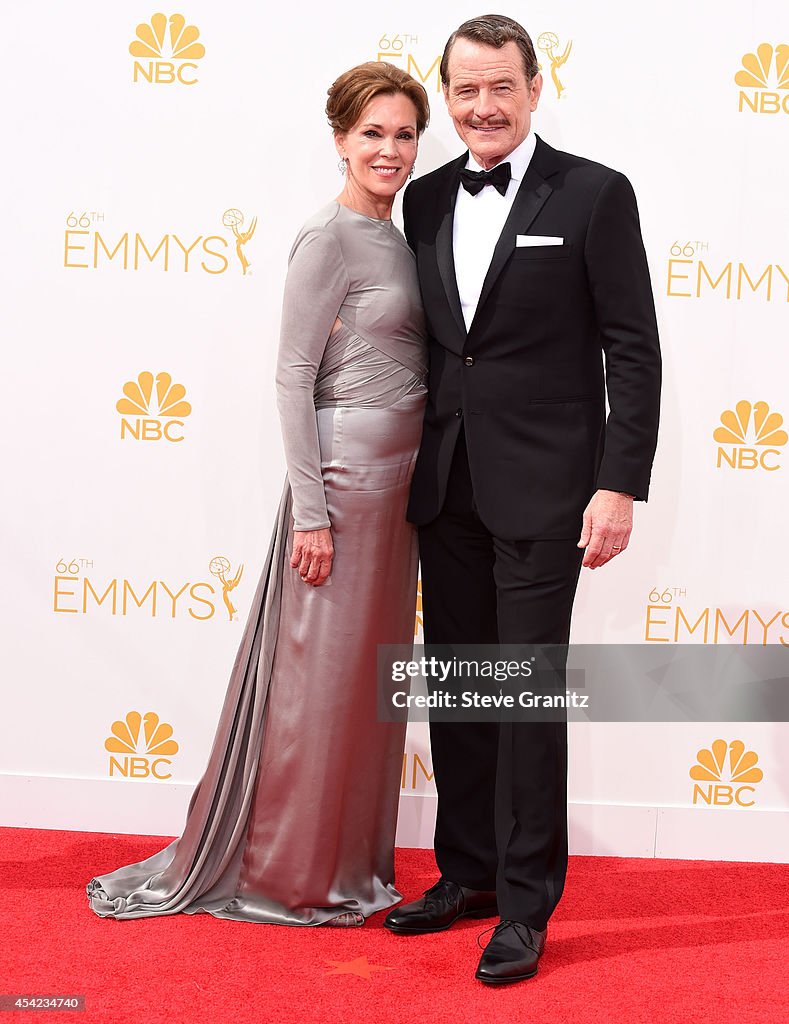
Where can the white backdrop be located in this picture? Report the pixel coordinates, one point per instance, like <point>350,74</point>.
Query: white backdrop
<point>125,529</point>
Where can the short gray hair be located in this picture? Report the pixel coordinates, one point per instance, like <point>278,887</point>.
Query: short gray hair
<point>493,30</point>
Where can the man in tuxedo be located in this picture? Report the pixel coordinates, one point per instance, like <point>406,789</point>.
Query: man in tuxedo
<point>538,300</point>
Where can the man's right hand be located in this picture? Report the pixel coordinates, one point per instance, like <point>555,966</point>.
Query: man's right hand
<point>313,552</point>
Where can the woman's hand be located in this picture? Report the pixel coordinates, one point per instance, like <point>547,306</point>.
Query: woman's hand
<point>312,556</point>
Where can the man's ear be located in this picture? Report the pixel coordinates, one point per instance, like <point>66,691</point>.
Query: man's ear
<point>535,88</point>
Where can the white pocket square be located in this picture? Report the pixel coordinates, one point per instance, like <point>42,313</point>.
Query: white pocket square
<point>538,240</point>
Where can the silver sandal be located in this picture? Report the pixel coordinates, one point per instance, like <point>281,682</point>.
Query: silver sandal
<point>350,919</point>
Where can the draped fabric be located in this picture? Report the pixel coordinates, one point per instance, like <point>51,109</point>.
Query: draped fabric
<point>293,820</point>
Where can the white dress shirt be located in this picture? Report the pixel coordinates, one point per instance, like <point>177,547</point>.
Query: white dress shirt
<point>478,223</point>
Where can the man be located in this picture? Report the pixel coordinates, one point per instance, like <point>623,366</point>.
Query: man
<point>532,269</point>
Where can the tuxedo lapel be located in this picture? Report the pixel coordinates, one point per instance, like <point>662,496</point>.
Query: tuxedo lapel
<point>529,200</point>
<point>444,250</point>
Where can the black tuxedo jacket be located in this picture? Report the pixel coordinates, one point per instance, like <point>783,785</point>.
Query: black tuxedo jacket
<point>527,380</point>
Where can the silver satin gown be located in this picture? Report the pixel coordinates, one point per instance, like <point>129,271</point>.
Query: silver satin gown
<point>293,820</point>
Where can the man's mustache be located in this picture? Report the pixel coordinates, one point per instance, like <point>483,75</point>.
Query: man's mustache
<point>487,124</point>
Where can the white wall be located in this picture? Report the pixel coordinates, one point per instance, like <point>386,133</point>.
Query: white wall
<point>90,150</point>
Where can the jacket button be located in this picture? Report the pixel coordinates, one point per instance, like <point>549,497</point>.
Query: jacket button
<point>469,360</point>
<point>458,412</point>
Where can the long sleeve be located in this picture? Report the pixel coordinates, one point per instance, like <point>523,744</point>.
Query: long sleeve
<point>619,279</point>
<point>316,284</point>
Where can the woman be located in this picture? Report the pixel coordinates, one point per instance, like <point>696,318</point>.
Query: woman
<point>293,821</point>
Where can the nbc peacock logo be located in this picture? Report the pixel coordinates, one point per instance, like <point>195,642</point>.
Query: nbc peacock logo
<point>764,80</point>
<point>750,437</point>
<point>166,48</point>
<point>144,418</point>
<point>140,747</point>
<point>729,772</point>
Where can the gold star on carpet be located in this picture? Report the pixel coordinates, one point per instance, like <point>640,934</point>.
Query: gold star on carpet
<point>359,966</point>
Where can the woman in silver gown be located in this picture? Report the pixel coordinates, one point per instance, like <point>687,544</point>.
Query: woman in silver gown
<point>293,820</point>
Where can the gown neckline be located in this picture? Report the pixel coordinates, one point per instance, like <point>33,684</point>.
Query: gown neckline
<point>375,220</point>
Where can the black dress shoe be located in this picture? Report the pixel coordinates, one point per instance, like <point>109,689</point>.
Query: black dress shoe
<point>441,905</point>
<point>512,953</point>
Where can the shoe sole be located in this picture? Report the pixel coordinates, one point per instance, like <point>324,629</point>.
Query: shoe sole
<point>504,981</point>
<point>401,930</point>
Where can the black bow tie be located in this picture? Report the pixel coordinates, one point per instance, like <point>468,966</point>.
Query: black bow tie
<point>475,181</point>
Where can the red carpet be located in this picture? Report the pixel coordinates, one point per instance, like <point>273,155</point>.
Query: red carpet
<point>632,940</point>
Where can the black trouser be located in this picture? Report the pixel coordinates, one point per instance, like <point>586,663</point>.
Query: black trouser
<point>502,786</point>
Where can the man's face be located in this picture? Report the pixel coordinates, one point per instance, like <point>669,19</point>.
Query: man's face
<point>489,98</point>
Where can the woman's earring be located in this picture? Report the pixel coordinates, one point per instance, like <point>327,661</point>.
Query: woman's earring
<point>343,165</point>
<point>411,172</point>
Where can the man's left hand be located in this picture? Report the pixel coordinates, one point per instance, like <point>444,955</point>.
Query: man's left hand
<point>608,522</point>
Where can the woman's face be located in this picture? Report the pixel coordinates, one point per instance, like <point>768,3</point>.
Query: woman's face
<point>380,149</point>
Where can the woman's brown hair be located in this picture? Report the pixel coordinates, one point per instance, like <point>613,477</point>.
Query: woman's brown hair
<point>354,89</point>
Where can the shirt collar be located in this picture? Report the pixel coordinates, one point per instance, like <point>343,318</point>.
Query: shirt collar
<point>518,159</point>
